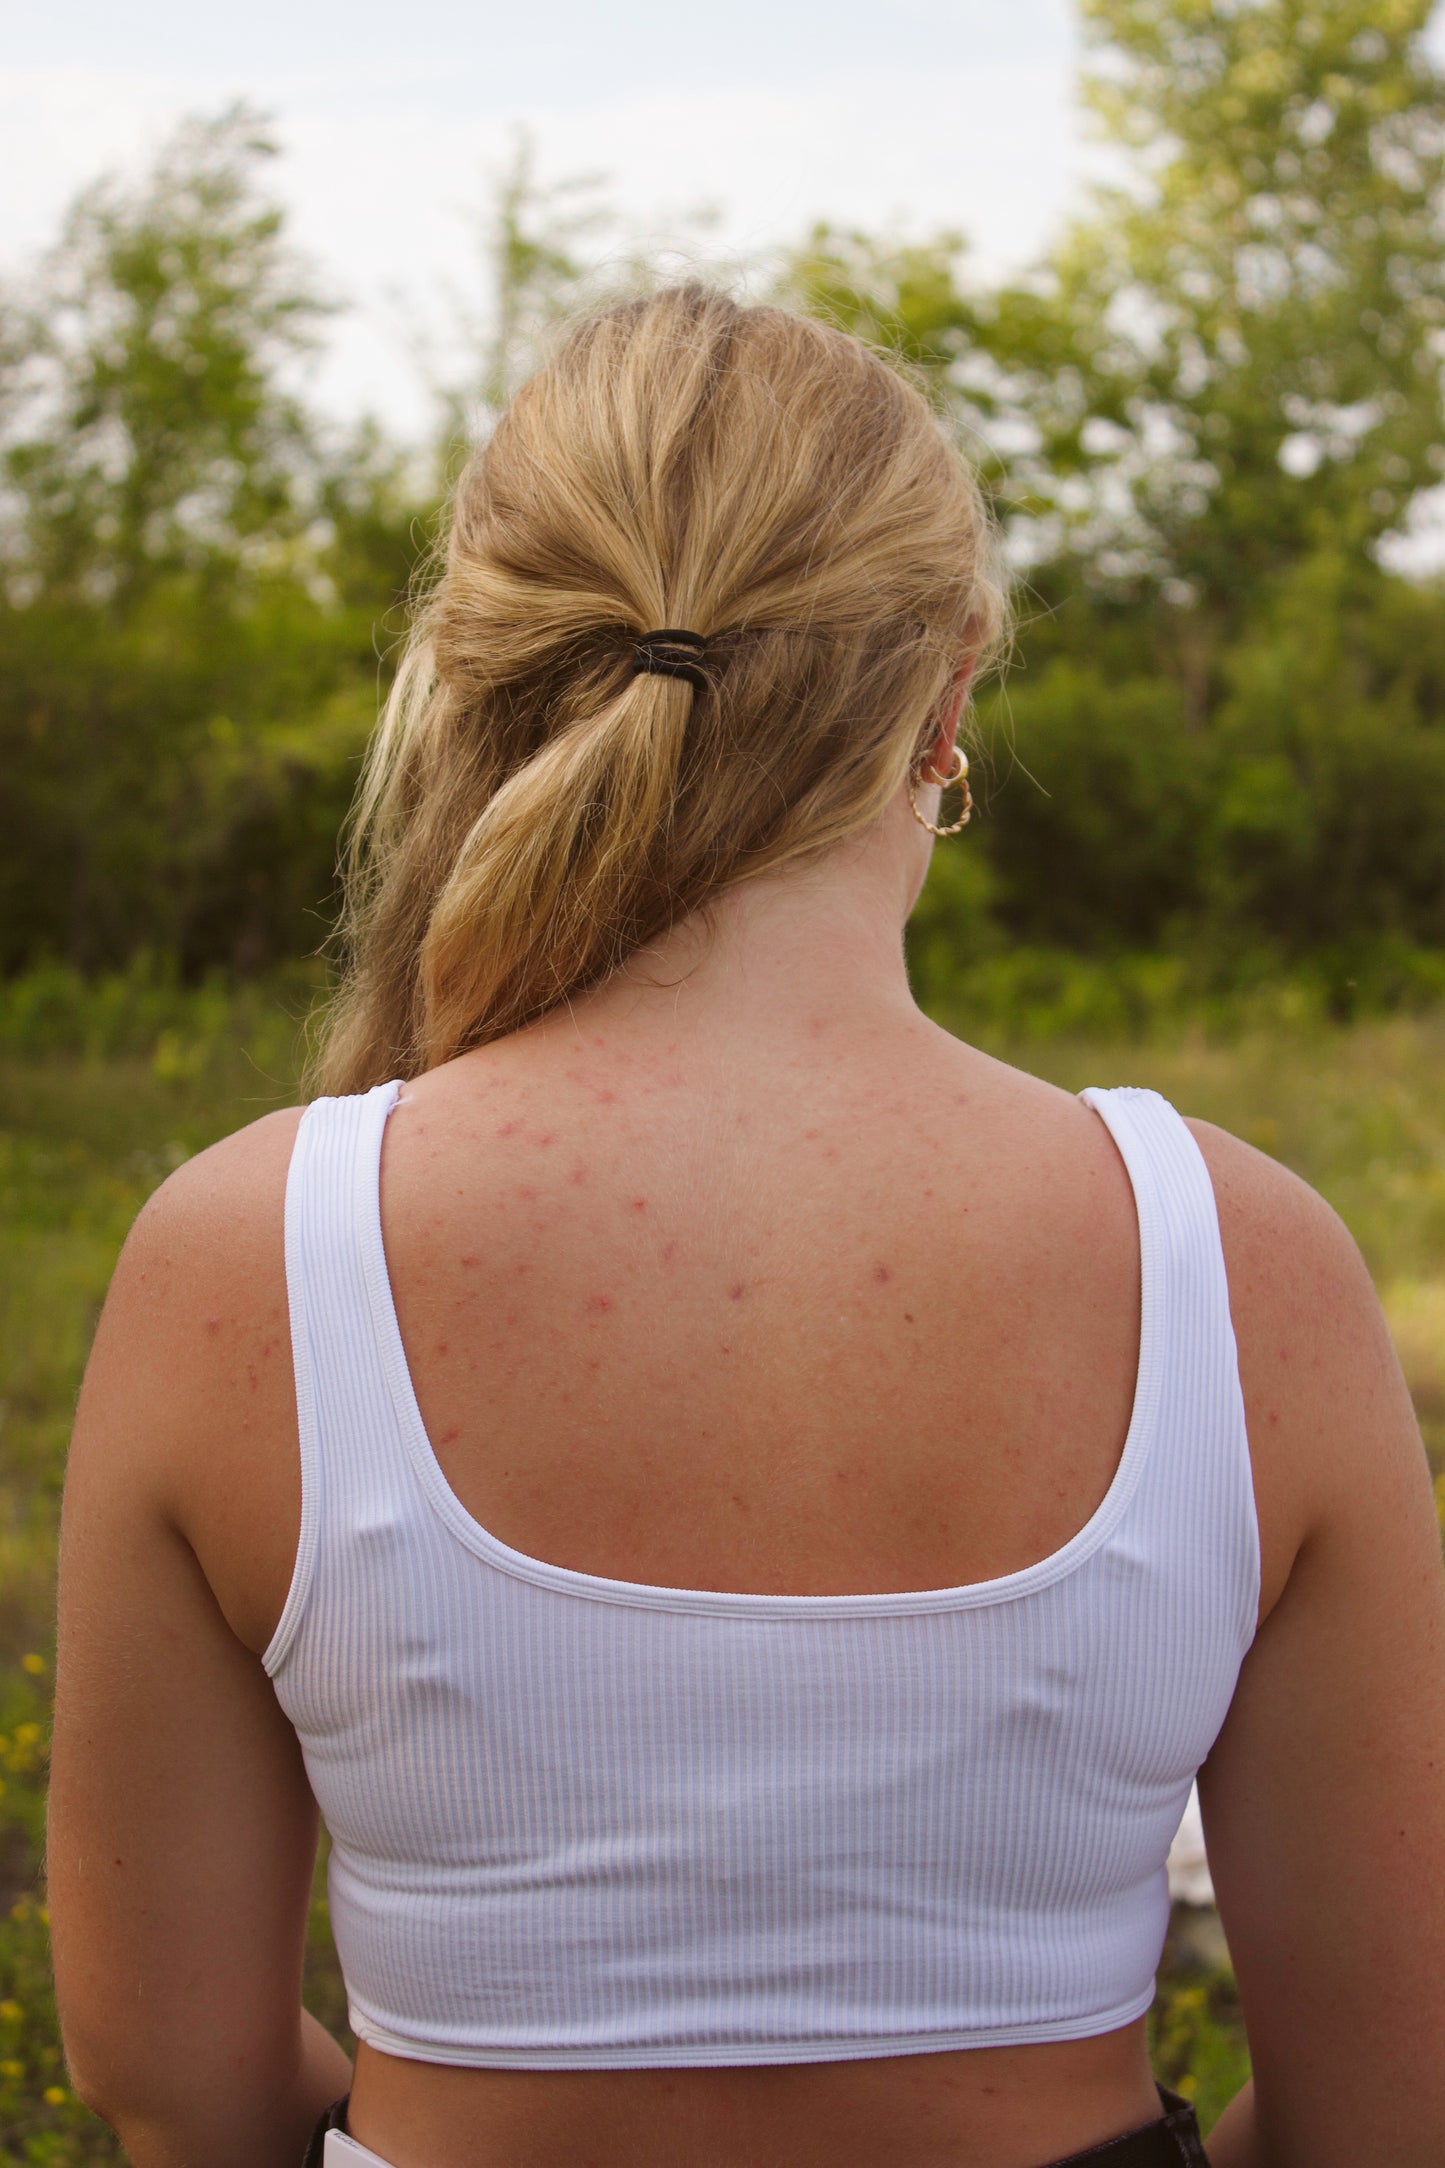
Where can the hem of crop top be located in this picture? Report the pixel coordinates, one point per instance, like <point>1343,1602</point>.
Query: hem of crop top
<point>862,2047</point>
<point>568,1580</point>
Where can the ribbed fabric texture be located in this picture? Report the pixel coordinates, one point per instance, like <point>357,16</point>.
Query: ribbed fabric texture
<point>582,1824</point>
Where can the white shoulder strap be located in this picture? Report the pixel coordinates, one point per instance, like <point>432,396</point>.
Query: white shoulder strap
<point>1201,1483</point>
<point>333,1250</point>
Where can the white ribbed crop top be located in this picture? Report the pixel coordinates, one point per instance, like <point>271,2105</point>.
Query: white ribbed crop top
<point>580,1823</point>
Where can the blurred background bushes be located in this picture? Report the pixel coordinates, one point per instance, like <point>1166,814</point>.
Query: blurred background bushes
<point>1209,420</point>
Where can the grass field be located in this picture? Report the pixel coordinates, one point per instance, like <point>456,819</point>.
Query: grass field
<point>99,1102</point>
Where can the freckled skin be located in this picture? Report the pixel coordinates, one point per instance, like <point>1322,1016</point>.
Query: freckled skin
<point>735,1292</point>
<point>882,1275</point>
<point>597,1304</point>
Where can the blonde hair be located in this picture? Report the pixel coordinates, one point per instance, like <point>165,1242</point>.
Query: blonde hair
<point>532,809</point>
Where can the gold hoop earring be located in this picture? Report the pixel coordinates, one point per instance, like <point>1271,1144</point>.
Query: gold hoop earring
<point>958,774</point>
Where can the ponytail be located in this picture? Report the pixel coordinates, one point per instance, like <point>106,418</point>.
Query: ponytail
<point>534,807</point>
<point>551,887</point>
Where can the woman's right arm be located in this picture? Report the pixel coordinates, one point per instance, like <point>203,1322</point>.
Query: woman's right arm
<point>1324,1796</point>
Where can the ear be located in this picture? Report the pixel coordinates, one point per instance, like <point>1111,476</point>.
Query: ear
<point>940,750</point>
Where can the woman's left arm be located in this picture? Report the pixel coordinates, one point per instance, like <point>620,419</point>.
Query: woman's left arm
<point>182,1829</point>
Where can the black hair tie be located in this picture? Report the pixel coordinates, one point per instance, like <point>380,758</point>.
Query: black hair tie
<point>672,652</point>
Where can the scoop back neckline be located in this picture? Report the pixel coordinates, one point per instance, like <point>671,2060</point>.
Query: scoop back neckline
<point>601,1588</point>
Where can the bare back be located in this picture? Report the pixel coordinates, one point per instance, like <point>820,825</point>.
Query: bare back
<point>773,1330</point>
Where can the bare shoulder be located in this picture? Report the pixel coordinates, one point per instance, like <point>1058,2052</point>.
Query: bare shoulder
<point>233,1184</point>
<point>1297,1278</point>
<point>1325,1403</point>
<point>196,1309</point>
<point>1292,1260</point>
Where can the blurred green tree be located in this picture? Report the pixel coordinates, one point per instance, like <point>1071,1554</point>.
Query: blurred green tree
<point>1263,296</point>
<point>159,437</point>
<point>192,570</point>
<point>535,273</point>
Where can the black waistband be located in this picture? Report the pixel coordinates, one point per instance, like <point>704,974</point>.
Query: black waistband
<point>1171,2142</point>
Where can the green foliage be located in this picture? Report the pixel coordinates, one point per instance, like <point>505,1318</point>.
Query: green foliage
<point>191,577</point>
<point>1329,800</point>
<point>41,2121</point>
<point>1094,839</point>
<point>1301,817</point>
<point>1265,297</point>
<point>1196,2035</point>
<point>147,1014</point>
<point>155,439</point>
<point>537,271</point>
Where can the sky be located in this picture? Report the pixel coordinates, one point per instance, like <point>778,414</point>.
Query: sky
<point>394,121</point>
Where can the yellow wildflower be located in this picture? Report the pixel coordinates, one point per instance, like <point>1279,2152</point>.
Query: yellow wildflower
<point>35,1665</point>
